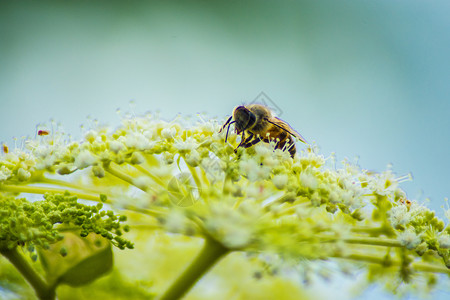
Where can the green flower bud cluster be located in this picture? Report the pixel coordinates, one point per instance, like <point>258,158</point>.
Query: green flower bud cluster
<point>34,224</point>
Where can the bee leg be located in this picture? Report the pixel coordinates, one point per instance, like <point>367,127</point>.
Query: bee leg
<point>254,142</point>
<point>244,140</point>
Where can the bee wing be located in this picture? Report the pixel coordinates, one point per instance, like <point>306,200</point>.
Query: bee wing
<point>285,126</point>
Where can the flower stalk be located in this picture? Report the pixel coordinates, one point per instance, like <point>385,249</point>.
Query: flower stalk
<point>417,266</point>
<point>43,290</point>
<point>211,252</point>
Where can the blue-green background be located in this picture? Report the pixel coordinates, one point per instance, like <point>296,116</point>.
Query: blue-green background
<point>360,78</point>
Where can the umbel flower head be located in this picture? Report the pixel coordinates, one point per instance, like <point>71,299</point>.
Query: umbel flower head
<point>259,200</point>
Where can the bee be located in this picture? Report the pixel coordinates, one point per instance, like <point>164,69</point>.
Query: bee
<point>43,132</point>
<point>255,123</point>
<point>5,148</point>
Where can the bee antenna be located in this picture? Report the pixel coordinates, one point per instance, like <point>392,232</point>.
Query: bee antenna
<point>226,123</point>
<point>228,129</point>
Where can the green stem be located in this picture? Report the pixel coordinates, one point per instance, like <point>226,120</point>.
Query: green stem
<point>374,241</point>
<point>212,252</point>
<point>424,267</point>
<point>226,180</point>
<point>67,184</point>
<point>123,176</point>
<point>147,211</point>
<point>153,177</point>
<point>418,266</point>
<point>43,190</point>
<point>195,176</point>
<point>369,241</point>
<point>204,177</point>
<point>85,196</point>
<point>376,231</point>
<point>42,289</point>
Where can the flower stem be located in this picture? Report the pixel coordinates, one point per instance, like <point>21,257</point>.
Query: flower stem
<point>67,184</point>
<point>211,252</point>
<point>43,190</point>
<point>418,266</point>
<point>374,231</point>
<point>373,241</point>
<point>195,176</point>
<point>153,177</point>
<point>119,174</point>
<point>42,289</point>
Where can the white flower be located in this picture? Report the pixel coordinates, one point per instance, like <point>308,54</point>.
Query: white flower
<point>28,160</point>
<point>116,146</point>
<point>280,181</point>
<point>137,141</point>
<point>137,158</point>
<point>383,184</point>
<point>308,180</point>
<point>250,168</point>
<point>351,200</point>
<point>270,161</point>
<point>142,182</point>
<point>253,191</point>
<point>4,173</point>
<point>409,239</point>
<point>312,159</point>
<point>175,222</point>
<point>209,127</point>
<point>316,200</point>
<point>444,241</point>
<point>84,159</point>
<point>168,158</point>
<point>334,197</point>
<point>264,150</point>
<point>23,175</point>
<point>46,162</point>
<point>233,227</point>
<point>399,215</point>
<point>237,236</point>
<point>42,151</point>
<point>98,171</point>
<point>282,155</point>
<point>91,136</point>
<point>213,167</point>
<point>162,171</point>
<point>186,146</point>
<point>168,133</point>
<point>149,134</point>
<point>193,158</point>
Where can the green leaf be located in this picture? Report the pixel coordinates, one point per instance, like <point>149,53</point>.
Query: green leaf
<point>77,261</point>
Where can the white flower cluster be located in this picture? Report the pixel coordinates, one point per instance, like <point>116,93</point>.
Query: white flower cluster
<point>256,198</point>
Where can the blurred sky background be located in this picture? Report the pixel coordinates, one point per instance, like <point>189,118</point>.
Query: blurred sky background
<point>360,78</point>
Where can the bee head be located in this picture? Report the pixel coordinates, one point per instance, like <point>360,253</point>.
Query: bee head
<point>244,118</point>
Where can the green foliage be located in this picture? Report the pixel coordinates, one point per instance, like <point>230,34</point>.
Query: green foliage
<point>77,261</point>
